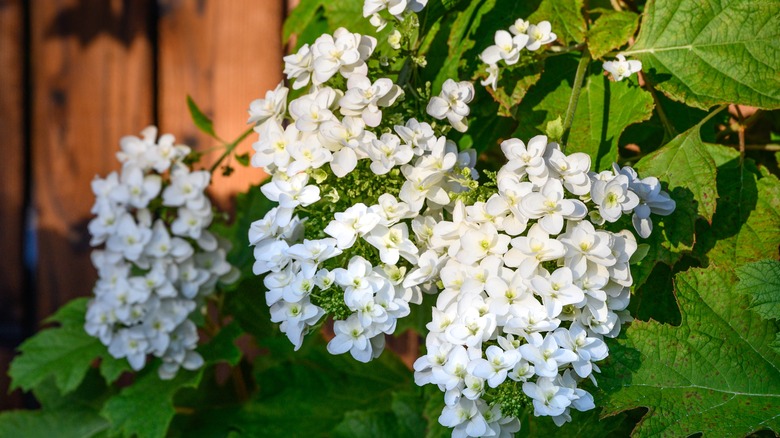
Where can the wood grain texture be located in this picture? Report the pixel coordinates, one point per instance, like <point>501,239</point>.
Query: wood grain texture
<point>92,84</point>
<point>224,54</point>
<point>12,180</point>
<point>12,172</point>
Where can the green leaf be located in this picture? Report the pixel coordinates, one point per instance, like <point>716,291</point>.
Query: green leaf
<point>222,347</point>
<point>201,120</point>
<point>566,19</point>
<point>76,422</point>
<point>71,415</point>
<point>711,52</point>
<point>243,159</point>
<point>311,392</point>
<point>146,408</point>
<point>583,424</point>
<point>746,225</point>
<point>300,17</point>
<point>65,352</point>
<point>715,373</point>
<point>685,162</point>
<point>760,281</point>
<point>348,14</point>
<point>605,109</point>
<point>514,84</point>
<point>404,419</point>
<point>611,30</point>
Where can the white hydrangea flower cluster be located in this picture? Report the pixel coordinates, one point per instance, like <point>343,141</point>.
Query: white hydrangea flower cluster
<point>530,287</point>
<point>158,259</point>
<point>509,44</point>
<point>357,193</point>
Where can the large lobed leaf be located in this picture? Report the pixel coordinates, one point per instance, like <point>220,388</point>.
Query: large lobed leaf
<point>610,31</point>
<point>715,373</point>
<point>760,281</point>
<point>604,111</point>
<point>710,52</point>
<point>65,352</point>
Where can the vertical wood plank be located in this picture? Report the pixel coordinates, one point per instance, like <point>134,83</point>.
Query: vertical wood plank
<point>224,54</point>
<point>92,83</point>
<point>12,192</point>
<point>12,173</point>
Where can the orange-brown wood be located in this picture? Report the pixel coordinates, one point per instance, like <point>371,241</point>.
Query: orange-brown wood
<point>224,54</point>
<point>11,188</point>
<point>12,171</point>
<point>92,78</point>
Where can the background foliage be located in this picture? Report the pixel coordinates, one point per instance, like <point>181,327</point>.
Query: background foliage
<point>704,353</point>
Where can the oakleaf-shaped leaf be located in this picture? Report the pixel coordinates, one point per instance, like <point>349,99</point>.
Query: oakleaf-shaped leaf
<point>145,409</point>
<point>610,31</point>
<point>746,225</point>
<point>715,373</point>
<point>760,281</point>
<point>605,109</point>
<point>65,352</point>
<point>710,52</point>
<point>566,19</point>
<point>685,162</point>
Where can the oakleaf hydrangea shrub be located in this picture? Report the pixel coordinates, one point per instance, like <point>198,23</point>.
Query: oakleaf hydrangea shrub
<point>375,207</point>
<point>494,176</point>
<point>157,259</point>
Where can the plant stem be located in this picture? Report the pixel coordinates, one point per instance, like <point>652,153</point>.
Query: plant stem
<point>741,133</point>
<point>669,131</point>
<point>712,114</point>
<point>579,77</point>
<point>230,147</point>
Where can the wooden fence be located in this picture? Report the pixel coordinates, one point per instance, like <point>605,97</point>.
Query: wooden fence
<point>75,76</point>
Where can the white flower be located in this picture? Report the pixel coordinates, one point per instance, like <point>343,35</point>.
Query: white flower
<point>343,52</point>
<point>527,159</point>
<point>351,336</point>
<point>452,103</point>
<point>498,363</point>
<point>353,222</point>
<point>519,27</point>
<point>545,354</point>
<point>307,155</point>
<point>539,34</point>
<point>551,208</point>
<point>395,7</point>
<point>290,192</point>
<point>548,399</point>
<point>310,110</point>
<point>507,48</point>
<point>387,152</point>
<point>135,188</point>
<point>613,197</point>
<point>621,68</point>
<point>492,77</point>
<point>533,248</point>
<point>392,243</point>
<point>557,291</point>
<point>477,244</point>
<point>465,419</point>
<point>394,39</point>
<point>588,349</point>
<point>363,98</point>
<point>273,106</point>
<point>129,238</point>
<point>298,67</point>
<point>378,22</point>
<point>417,134</point>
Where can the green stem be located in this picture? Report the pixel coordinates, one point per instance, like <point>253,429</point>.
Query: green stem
<point>579,77</point>
<point>229,148</point>
<point>712,114</point>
